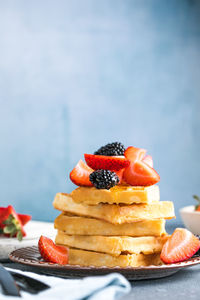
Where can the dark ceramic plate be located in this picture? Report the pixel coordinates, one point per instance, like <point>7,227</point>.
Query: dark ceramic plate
<point>30,256</point>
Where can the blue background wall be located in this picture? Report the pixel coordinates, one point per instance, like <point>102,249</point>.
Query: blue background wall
<point>75,75</point>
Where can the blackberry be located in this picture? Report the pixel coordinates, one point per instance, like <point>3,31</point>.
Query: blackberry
<point>112,149</point>
<point>104,179</point>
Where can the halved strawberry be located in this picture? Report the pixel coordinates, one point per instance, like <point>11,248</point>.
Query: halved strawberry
<point>140,174</point>
<point>24,218</point>
<point>120,175</point>
<point>80,174</point>
<point>51,252</point>
<point>148,160</point>
<point>113,163</point>
<point>181,245</point>
<point>133,154</point>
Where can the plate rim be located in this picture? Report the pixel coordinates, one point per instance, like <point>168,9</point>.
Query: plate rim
<point>36,263</point>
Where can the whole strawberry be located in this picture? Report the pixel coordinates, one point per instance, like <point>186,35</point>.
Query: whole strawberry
<point>10,223</point>
<point>197,207</point>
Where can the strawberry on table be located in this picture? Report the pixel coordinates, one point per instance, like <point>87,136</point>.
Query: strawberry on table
<point>10,223</point>
<point>114,163</point>
<point>181,245</point>
<point>51,252</point>
<point>80,174</point>
<point>24,218</point>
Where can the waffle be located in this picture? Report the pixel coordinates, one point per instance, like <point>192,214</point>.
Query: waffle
<point>117,194</point>
<point>76,225</point>
<point>116,214</point>
<point>113,245</point>
<point>89,258</point>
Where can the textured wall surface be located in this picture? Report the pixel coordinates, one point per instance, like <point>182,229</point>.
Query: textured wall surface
<point>75,75</point>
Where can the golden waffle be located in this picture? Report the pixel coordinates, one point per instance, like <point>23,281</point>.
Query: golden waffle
<point>114,245</point>
<point>117,194</point>
<point>89,258</point>
<point>76,225</point>
<point>116,214</point>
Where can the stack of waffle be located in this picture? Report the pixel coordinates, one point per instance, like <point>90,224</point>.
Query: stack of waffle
<point>123,226</point>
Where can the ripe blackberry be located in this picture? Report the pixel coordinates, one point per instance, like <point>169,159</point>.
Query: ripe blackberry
<point>104,179</point>
<point>112,149</point>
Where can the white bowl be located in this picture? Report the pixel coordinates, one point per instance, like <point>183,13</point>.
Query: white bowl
<point>191,218</point>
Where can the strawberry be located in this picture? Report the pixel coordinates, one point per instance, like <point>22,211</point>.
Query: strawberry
<point>114,163</point>
<point>24,218</point>
<point>120,175</point>
<point>51,252</point>
<point>80,174</point>
<point>10,223</point>
<point>140,174</point>
<point>2,210</point>
<point>181,245</point>
<point>148,160</point>
<point>197,207</point>
<point>133,154</point>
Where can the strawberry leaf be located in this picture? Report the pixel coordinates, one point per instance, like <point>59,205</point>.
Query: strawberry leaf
<point>19,235</point>
<point>12,227</point>
<point>8,221</point>
<point>196,198</point>
<point>9,229</point>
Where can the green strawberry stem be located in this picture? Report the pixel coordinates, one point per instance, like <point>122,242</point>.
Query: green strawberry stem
<point>12,227</point>
<point>197,198</point>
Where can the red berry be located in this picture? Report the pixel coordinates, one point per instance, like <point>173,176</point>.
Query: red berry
<point>80,174</point>
<point>181,245</point>
<point>140,174</point>
<point>10,223</point>
<point>120,175</point>
<point>133,154</point>
<point>198,208</point>
<point>148,160</point>
<point>24,218</point>
<point>114,163</point>
<point>51,252</point>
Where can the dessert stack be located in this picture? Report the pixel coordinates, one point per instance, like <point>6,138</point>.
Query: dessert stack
<point>115,216</point>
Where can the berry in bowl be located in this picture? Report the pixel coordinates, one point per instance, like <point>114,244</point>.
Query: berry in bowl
<point>191,216</point>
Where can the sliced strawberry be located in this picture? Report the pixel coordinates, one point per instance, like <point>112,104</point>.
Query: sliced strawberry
<point>120,175</point>
<point>24,218</point>
<point>51,252</point>
<point>148,160</point>
<point>140,174</point>
<point>80,174</point>
<point>114,163</point>
<point>181,245</point>
<point>133,154</point>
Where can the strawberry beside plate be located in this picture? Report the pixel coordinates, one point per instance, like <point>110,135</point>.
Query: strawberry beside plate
<point>34,230</point>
